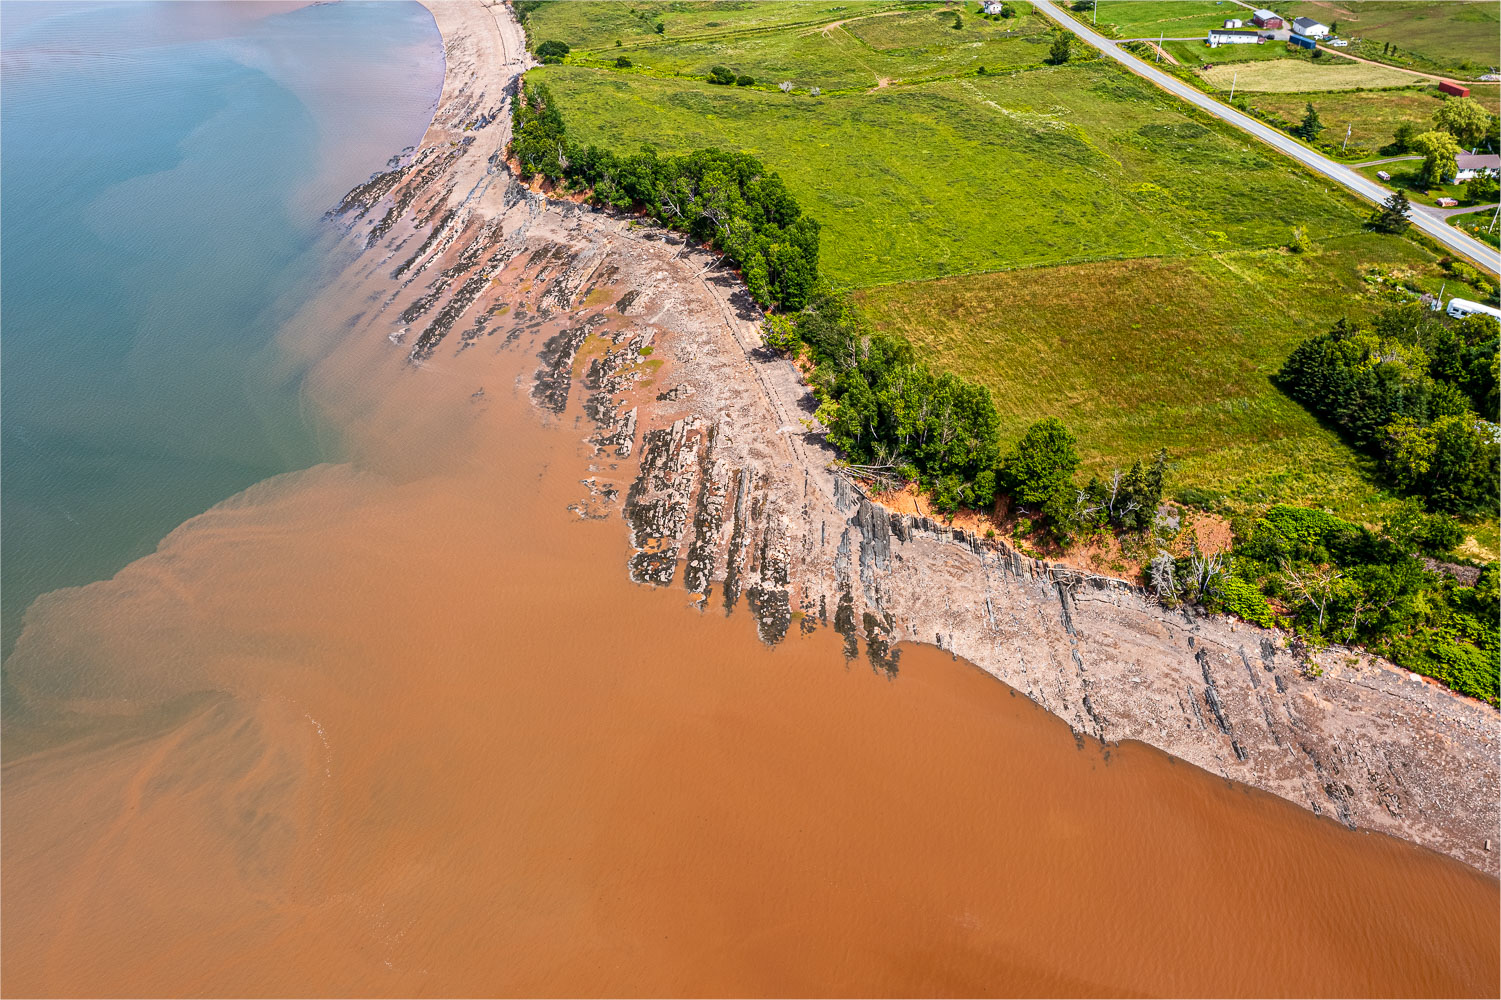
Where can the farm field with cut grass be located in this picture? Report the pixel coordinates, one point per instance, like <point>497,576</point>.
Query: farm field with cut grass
<point>979,173</point>
<point>1300,75</point>
<point>1442,36</point>
<point>1173,352</point>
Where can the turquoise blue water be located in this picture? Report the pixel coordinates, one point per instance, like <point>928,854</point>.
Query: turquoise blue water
<point>163,173</point>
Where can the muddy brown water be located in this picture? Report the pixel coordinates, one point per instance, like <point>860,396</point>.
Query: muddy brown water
<point>402,726</point>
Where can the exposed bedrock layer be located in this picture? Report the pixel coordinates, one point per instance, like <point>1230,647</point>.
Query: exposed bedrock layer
<point>698,442</point>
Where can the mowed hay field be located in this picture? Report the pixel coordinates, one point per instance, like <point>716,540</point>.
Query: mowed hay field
<point>1298,75</point>
<point>978,173</point>
<point>1455,35</point>
<point>1174,352</point>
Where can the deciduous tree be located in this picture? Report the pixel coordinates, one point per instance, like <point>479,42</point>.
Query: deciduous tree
<point>1463,118</point>
<point>1438,150</point>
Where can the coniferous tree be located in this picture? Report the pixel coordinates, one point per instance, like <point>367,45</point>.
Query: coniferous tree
<point>1309,128</point>
<point>1391,217</point>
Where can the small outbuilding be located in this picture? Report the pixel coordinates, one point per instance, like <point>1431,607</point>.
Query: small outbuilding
<point>1302,42</point>
<point>1453,89</point>
<point>1309,28</point>
<point>1233,22</point>
<point>1220,36</point>
<point>1264,18</point>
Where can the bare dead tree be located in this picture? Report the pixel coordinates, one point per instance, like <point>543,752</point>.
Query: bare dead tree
<point>1205,571</point>
<point>1162,569</point>
<point>1315,585</point>
<point>1082,510</point>
<point>1126,506</point>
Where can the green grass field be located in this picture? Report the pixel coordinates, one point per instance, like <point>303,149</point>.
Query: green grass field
<point>855,55</point>
<point>1153,18</point>
<point>1172,352</point>
<point>980,173</point>
<point>1446,36</point>
<point>601,25</point>
<point>1085,244</point>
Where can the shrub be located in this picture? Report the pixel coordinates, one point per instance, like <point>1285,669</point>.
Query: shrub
<point>621,62</point>
<point>1045,458</point>
<point>948,493</point>
<point>1483,188</point>
<point>779,333</point>
<point>744,81</point>
<point>722,75</point>
<point>1243,600</point>
<point>1058,51</point>
<point>552,49</point>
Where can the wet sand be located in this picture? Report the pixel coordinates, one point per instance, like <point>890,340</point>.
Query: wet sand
<point>403,725</point>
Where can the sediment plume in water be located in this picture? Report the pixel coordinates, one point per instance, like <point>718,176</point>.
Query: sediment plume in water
<point>403,724</point>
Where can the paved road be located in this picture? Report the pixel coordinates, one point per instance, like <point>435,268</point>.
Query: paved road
<point>1423,218</point>
<point>1389,159</point>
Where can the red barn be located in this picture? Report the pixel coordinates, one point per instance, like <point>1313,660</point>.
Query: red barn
<point>1264,18</point>
<point>1449,87</point>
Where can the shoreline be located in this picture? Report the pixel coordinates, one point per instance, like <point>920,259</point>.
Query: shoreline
<point>698,446</point>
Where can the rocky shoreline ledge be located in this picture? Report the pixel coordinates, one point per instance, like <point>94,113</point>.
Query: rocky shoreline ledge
<point>697,441</point>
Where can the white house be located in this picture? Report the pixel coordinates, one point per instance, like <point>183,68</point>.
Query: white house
<point>991,6</point>
<point>1471,165</point>
<point>1309,28</point>
<point>1221,36</point>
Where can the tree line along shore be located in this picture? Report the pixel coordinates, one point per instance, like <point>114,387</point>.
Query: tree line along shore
<point>1389,545</point>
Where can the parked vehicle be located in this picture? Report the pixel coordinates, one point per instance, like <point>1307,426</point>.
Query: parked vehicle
<point>1460,308</point>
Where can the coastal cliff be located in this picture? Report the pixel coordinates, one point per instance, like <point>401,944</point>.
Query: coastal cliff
<point>697,440</point>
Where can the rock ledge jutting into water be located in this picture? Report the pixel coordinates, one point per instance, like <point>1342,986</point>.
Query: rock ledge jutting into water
<point>654,355</point>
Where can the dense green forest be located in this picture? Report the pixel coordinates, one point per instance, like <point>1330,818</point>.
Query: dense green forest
<point>1337,582</point>
<point>1411,388</point>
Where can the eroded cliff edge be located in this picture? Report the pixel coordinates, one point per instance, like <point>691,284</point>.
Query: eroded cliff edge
<point>698,443</point>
